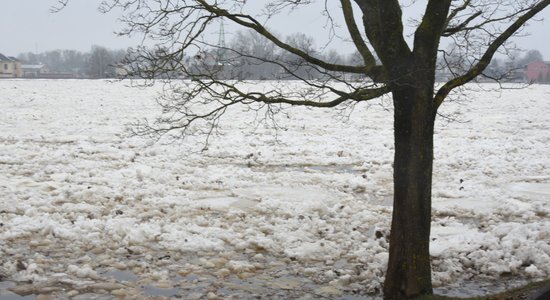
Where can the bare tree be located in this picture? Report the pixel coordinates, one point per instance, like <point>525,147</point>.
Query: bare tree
<point>529,57</point>
<point>392,63</point>
<point>249,56</point>
<point>99,61</point>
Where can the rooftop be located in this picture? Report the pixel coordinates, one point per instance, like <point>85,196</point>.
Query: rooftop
<point>34,66</point>
<point>6,58</point>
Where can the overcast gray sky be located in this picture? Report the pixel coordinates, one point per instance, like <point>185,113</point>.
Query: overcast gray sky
<point>28,26</point>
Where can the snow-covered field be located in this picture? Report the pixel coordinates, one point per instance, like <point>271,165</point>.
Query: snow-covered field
<point>88,212</point>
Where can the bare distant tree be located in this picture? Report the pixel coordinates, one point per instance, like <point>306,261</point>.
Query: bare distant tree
<point>99,61</point>
<point>102,61</point>
<point>406,70</point>
<point>73,61</point>
<point>248,55</point>
<point>528,57</point>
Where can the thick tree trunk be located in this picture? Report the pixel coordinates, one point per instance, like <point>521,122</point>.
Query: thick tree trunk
<point>409,269</point>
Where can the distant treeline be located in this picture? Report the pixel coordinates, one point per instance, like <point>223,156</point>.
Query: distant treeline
<point>249,55</point>
<point>99,62</point>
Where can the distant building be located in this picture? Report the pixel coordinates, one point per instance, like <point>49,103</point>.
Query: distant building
<point>537,71</point>
<point>33,71</point>
<point>10,67</point>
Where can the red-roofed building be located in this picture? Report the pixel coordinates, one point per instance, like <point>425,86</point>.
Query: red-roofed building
<point>538,71</point>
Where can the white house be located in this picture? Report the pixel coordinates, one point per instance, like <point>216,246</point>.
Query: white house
<point>10,67</point>
<point>32,71</point>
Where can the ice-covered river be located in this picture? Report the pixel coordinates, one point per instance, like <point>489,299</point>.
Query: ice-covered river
<point>87,211</point>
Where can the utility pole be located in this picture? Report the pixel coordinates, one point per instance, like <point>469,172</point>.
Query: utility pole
<point>220,53</point>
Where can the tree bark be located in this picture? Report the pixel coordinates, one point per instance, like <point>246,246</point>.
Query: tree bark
<point>409,270</point>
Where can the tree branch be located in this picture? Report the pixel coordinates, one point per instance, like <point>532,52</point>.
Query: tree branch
<point>428,33</point>
<point>456,11</point>
<point>61,4</point>
<point>358,95</point>
<point>384,28</point>
<point>356,34</point>
<point>462,26</point>
<point>479,12</point>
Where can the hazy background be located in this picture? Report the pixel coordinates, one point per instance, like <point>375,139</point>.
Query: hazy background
<point>29,26</point>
